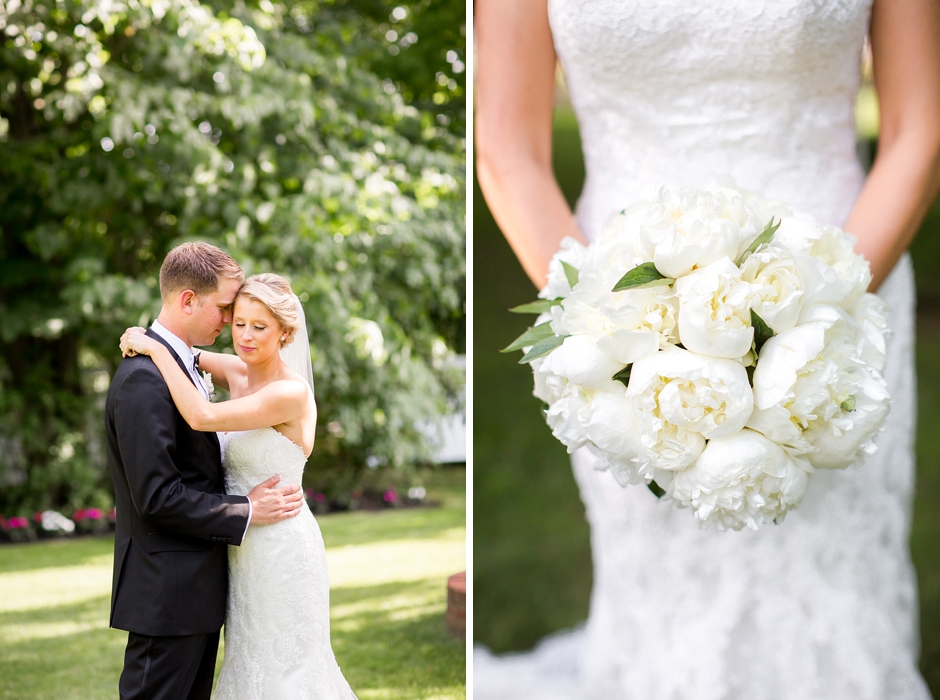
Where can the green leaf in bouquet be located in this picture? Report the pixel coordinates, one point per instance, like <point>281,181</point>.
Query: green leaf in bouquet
<point>642,277</point>
<point>532,336</point>
<point>542,348</point>
<point>623,375</point>
<point>762,332</point>
<point>536,307</point>
<point>571,273</point>
<point>657,490</point>
<point>766,236</point>
<point>849,404</point>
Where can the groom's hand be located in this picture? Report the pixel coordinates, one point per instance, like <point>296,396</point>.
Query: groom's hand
<point>270,505</point>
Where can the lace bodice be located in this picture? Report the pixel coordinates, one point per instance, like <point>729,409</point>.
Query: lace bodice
<point>672,91</point>
<point>251,456</point>
<point>277,628</point>
<point>823,606</point>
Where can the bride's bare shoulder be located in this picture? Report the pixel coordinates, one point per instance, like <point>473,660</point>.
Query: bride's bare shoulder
<point>291,388</point>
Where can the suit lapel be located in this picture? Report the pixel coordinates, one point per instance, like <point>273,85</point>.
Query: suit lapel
<point>179,361</point>
<point>213,437</point>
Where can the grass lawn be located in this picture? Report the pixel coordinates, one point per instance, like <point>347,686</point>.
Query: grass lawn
<point>532,563</point>
<point>388,573</point>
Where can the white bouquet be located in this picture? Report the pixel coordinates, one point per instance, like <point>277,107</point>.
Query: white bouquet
<point>715,346</point>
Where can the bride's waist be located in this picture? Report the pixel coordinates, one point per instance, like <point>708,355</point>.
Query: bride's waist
<point>241,485</point>
<point>301,525</point>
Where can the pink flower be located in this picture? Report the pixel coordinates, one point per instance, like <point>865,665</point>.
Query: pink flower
<point>390,496</point>
<point>18,523</point>
<point>319,497</point>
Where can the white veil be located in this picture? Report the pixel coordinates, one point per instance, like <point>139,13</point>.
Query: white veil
<point>297,354</point>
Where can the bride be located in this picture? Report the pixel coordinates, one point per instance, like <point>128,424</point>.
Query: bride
<point>675,93</point>
<point>277,627</point>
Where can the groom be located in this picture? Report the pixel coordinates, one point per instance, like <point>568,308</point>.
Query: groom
<point>174,521</point>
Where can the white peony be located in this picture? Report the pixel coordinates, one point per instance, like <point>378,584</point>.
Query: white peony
<point>778,287</point>
<point>624,325</point>
<point>678,399</point>
<point>832,272</point>
<point>871,314</point>
<point>686,229</point>
<point>766,209</point>
<point>566,379</point>
<point>580,361</point>
<point>613,434</point>
<point>743,480</point>
<point>623,228</point>
<point>814,391</point>
<point>565,402</point>
<point>571,252</point>
<point>715,310</point>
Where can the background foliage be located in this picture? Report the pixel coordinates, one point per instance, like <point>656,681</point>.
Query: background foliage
<point>301,137</point>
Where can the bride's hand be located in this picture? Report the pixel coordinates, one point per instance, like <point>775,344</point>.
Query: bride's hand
<point>135,342</point>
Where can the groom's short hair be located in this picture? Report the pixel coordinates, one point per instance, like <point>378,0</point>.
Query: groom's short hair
<point>196,266</point>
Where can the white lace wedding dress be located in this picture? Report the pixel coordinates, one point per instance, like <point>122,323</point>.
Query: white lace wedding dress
<point>823,606</point>
<point>277,627</point>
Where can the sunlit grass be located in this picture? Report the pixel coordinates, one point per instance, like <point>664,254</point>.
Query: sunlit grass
<point>388,575</point>
<point>32,590</point>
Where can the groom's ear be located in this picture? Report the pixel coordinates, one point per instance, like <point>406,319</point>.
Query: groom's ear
<point>186,301</point>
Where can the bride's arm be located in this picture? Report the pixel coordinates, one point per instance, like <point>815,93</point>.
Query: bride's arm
<point>515,83</point>
<point>905,178</point>
<point>276,403</point>
<point>223,367</point>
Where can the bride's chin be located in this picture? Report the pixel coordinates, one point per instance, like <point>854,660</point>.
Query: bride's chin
<point>252,357</point>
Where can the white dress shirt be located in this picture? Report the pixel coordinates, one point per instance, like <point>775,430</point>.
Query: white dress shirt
<point>184,352</point>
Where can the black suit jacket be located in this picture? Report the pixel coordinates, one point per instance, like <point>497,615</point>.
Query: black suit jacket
<point>174,521</point>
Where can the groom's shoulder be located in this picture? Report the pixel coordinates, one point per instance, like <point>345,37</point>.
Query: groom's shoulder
<point>136,373</point>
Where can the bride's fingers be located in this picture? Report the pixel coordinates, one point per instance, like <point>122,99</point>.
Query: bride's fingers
<point>134,336</point>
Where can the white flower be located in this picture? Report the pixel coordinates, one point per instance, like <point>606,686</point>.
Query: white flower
<point>565,380</point>
<point>624,325</point>
<point>580,361</point>
<point>870,313</point>
<point>678,399</point>
<point>831,270</point>
<point>567,419</point>
<point>715,310</point>
<point>766,209</point>
<point>688,229</point>
<point>565,404</point>
<point>52,520</point>
<point>571,252</point>
<point>741,480</point>
<point>207,382</point>
<point>613,434</point>
<point>814,392</point>
<point>778,284</point>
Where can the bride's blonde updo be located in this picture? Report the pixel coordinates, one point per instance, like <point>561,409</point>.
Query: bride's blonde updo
<point>275,293</point>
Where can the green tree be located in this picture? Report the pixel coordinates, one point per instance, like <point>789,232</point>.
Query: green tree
<point>128,128</point>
